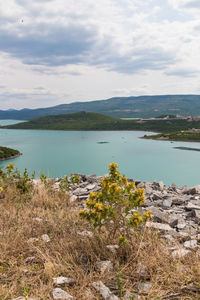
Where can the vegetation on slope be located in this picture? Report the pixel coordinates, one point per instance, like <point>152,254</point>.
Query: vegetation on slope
<point>28,263</point>
<point>185,136</point>
<point>95,121</point>
<point>7,153</point>
<point>120,107</point>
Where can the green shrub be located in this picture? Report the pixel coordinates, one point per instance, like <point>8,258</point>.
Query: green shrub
<point>112,204</point>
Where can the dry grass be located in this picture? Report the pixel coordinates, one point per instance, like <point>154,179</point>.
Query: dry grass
<point>27,268</point>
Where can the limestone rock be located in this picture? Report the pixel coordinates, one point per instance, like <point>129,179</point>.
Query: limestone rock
<point>80,191</point>
<point>113,248</point>
<point>180,252</point>
<point>46,238</point>
<point>90,186</point>
<point>63,280</point>
<point>104,291</point>
<point>85,233</point>
<point>144,287</point>
<point>58,293</point>
<point>194,190</point>
<point>104,266</point>
<point>160,226</point>
<point>167,203</point>
<point>73,198</point>
<point>192,244</point>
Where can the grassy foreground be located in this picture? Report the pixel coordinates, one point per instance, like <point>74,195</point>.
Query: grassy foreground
<point>27,267</point>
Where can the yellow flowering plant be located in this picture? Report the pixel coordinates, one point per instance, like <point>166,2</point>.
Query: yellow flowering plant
<point>23,181</point>
<point>111,205</point>
<point>67,182</point>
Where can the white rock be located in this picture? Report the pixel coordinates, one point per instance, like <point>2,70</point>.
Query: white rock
<point>45,238</point>
<point>180,252</point>
<point>160,226</point>
<point>58,293</point>
<point>90,186</point>
<point>37,181</point>
<point>73,199</point>
<point>37,219</point>
<point>181,225</point>
<point>192,244</point>
<point>113,248</point>
<point>63,280</point>
<point>80,191</point>
<point>167,203</point>
<point>104,266</point>
<point>104,291</point>
<point>1,233</point>
<point>85,233</point>
<point>144,287</point>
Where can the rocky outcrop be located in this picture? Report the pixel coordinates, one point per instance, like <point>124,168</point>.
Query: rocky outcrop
<point>176,211</point>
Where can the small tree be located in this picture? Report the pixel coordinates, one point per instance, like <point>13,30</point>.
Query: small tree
<point>112,204</point>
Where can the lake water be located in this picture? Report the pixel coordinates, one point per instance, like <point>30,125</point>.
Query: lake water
<point>57,153</point>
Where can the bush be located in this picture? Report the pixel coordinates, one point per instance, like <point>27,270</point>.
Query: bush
<point>111,206</point>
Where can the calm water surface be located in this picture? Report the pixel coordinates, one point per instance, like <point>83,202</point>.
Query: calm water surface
<point>57,153</point>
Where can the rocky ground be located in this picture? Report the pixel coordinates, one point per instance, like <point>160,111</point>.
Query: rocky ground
<point>176,215</point>
<point>176,211</point>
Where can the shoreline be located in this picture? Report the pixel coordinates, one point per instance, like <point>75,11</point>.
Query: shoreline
<point>169,140</point>
<point>11,157</point>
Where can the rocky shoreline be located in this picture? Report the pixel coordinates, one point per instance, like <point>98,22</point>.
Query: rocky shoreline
<point>175,211</point>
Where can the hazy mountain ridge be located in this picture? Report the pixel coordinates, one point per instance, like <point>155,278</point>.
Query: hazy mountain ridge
<point>120,107</point>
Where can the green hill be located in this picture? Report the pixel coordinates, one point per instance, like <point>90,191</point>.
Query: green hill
<point>95,121</point>
<point>119,107</point>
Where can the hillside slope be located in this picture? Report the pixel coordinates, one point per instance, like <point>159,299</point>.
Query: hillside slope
<point>95,121</point>
<point>121,107</point>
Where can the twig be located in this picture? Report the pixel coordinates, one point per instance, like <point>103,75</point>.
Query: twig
<point>171,296</point>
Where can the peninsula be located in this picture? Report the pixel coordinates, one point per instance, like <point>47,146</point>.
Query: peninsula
<point>169,128</point>
<point>8,153</point>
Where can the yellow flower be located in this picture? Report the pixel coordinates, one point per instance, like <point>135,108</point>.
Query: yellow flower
<point>1,189</point>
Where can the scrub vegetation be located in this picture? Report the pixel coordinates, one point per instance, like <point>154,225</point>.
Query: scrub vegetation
<point>7,153</point>
<point>28,262</point>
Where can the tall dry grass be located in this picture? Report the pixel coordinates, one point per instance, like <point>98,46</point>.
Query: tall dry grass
<point>27,267</point>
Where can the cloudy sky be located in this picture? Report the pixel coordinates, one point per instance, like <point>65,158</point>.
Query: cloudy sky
<point>61,51</point>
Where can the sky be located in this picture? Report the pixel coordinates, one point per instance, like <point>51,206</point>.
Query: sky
<point>63,51</point>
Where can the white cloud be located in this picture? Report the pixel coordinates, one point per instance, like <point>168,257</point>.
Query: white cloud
<point>86,49</point>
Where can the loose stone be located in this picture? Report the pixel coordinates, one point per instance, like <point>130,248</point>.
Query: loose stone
<point>104,291</point>
<point>45,238</point>
<point>63,280</point>
<point>104,266</point>
<point>144,287</point>
<point>192,244</point>
<point>58,293</point>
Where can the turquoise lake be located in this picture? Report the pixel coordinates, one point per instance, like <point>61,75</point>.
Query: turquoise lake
<point>57,153</point>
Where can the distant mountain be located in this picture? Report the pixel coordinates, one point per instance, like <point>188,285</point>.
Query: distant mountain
<point>119,107</point>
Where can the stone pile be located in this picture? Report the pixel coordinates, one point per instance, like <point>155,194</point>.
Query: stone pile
<point>175,211</point>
